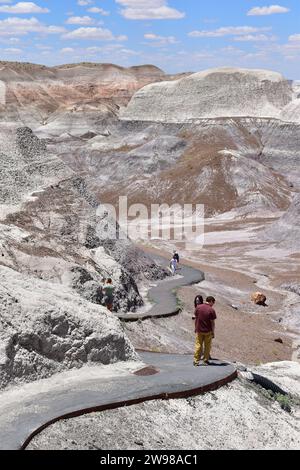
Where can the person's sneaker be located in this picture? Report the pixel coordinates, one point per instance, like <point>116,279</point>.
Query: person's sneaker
<point>196,364</point>
<point>206,363</point>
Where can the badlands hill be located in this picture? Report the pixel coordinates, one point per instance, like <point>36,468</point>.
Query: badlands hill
<point>69,97</point>
<point>211,94</point>
<point>69,139</point>
<point>286,230</point>
<point>80,134</point>
<point>53,255</point>
<point>226,137</point>
<point>229,138</point>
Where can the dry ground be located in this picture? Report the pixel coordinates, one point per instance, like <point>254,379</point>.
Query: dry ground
<point>246,334</point>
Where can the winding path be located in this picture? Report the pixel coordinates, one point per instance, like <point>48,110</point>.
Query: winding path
<point>27,410</point>
<point>163,295</point>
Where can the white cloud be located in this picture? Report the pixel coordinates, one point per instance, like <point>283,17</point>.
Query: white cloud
<point>294,37</point>
<point>99,10</point>
<point>43,47</point>
<point>83,20</point>
<point>290,50</point>
<point>146,10</point>
<point>117,49</point>
<point>161,40</point>
<point>67,50</point>
<point>271,10</point>
<point>97,34</point>
<point>254,38</point>
<point>23,7</point>
<point>15,26</point>
<point>84,3</point>
<point>93,50</point>
<point>51,29</point>
<point>227,31</point>
<point>12,50</point>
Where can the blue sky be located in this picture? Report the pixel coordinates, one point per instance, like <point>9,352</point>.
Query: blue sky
<point>175,35</point>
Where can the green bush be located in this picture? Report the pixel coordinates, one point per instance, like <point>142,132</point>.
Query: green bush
<point>285,402</point>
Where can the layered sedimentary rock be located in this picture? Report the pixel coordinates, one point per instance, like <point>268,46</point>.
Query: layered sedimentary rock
<point>71,99</point>
<point>53,257</point>
<point>291,112</point>
<point>44,328</point>
<point>228,139</point>
<point>211,94</point>
<point>222,163</point>
<point>286,230</point>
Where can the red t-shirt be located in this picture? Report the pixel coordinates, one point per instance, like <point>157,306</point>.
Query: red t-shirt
<point>204,315</point>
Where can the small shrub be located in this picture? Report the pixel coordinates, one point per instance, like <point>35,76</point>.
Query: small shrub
<point>285,402</point>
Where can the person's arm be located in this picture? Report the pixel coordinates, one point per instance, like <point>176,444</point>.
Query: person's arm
<point>213,318</point>
<point>213,325</point>
<point>195,318</point>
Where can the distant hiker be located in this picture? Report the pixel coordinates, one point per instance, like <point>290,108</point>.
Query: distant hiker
<point>176,256</point>
<point>108,290</point>
<point>198,300</point>
<point>173,266</point>
<point>204,329</point>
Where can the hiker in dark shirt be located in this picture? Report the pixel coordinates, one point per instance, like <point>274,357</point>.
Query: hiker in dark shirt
<point>204,329</point>
<point>198,300</point>
<point>176,256</point>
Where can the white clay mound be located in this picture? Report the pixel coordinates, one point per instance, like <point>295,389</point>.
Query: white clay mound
<point>213,93</point>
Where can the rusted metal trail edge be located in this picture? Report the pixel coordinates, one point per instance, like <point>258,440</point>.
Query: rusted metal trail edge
<point>111,406</point>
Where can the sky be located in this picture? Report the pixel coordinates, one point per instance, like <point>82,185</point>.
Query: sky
<point>175,35</point>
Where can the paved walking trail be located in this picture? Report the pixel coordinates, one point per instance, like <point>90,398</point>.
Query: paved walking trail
<point>27,409</point>
<point>163,295</point>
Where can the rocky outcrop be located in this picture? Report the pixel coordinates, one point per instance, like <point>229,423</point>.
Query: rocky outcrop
<point>57,233</point>
<point>286,230</point>
<point>292,287</point>
<point>46,328</point>
<point>52,237</point>
<point>222,163</point>
<point>52,261</point>
<point>291,112</point>
<point>24,167</point>
<point>212,94</point>
<point>70,99</point>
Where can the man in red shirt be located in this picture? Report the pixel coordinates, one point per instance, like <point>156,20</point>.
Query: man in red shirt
<point>204,329</point>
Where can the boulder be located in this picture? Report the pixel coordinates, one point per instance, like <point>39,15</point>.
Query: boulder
<point>258,298</point>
